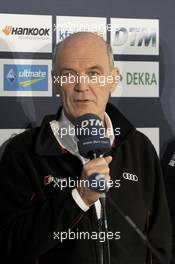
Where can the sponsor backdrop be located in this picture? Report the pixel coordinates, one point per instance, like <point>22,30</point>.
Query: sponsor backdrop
<point>142,38</point>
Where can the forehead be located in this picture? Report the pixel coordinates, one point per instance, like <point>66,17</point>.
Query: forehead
<point>83,53</point>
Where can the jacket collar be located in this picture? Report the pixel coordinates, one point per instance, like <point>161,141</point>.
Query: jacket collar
<point>119,121</point>
<point>47,145</point>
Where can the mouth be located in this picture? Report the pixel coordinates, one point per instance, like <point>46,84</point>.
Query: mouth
<point>84,101</point>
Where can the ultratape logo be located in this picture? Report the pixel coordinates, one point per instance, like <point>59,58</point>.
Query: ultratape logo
<point>10,30</point>
<point>25,77</point>
<point>37,75</point>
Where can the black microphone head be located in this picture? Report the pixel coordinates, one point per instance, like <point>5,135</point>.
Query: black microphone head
<point>90,131</point>
<point>89,125</point>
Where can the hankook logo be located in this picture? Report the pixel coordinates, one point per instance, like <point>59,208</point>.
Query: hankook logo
<point>25,33</point>
<point>9,30</point>
<point>130,177</point>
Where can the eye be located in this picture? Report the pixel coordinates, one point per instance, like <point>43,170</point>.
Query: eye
<point>93,73</point>
<point>68,73</point>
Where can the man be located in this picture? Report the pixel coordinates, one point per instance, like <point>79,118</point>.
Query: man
<point>168,167</point>
<point>37,215</point>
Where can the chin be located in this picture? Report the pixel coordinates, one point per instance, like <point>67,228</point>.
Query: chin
<point>83,111</point>
<point>89,112</point>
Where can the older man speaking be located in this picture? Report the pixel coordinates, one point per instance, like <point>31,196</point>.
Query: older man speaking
<point>45,221</point>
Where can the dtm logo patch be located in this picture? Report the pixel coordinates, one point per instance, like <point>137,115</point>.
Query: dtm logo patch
<point>130,177</point>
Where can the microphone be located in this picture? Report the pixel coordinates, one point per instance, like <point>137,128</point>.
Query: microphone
<point>90,131</point>
<point>93,143</point>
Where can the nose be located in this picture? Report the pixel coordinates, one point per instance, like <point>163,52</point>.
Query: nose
<point>82,83</point>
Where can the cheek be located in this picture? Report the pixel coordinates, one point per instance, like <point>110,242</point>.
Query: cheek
<point>67,99</point>
<point>103,95</point>
<point>64,94</point>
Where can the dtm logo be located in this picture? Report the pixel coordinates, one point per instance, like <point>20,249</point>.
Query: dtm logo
<point>130,177</point>
<point>21,77</point>
<point>92,122</point>
<point>136,36</point>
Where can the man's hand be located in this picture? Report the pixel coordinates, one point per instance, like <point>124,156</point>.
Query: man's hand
<point>99,165</point>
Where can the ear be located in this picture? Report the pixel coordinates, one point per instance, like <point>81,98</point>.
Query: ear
<point>56,85</point>
<point>116,78</point>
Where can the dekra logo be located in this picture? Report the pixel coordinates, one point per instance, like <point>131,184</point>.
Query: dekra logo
<point>141,78</point>
<point>9,30</point>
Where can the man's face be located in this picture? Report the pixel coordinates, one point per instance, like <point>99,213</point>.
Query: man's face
<point>83,64</point>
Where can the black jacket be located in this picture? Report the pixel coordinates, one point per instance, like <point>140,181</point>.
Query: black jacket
<point>31,210</point>
<point>168,166</point>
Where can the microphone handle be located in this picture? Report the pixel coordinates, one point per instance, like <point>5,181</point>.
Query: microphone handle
<point>105,227</point>
<point>92,155</point>
<point>107,258</point>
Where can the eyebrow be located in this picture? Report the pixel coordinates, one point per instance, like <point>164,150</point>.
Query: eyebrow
<point>95,67</point>
<point>66,69</point>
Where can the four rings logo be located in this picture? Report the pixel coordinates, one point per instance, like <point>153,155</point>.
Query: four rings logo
<point>130,177</point>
